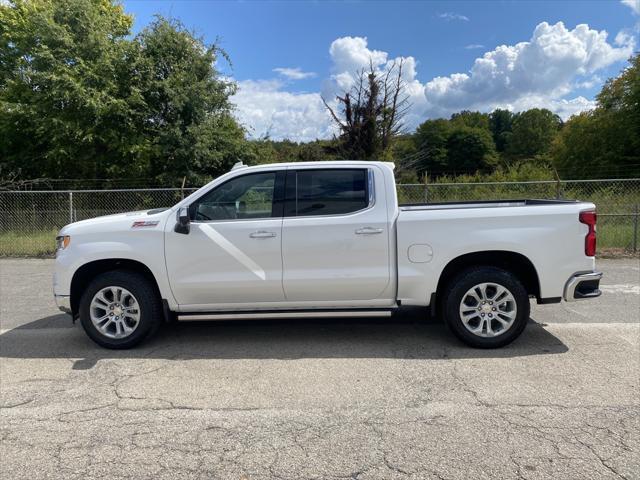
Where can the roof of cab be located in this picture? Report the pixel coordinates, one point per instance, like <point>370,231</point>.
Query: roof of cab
<point>330,163</point>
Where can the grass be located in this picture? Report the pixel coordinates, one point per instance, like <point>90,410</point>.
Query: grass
<point>28,244</point>
<point>616,233</point>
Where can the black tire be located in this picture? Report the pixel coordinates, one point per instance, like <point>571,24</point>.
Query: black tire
<point>466,280</point>
<point>144,292</point>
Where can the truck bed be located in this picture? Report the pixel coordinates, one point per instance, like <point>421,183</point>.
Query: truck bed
<point>547,233</point>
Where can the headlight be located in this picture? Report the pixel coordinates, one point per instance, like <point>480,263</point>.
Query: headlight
<point>62,242</point>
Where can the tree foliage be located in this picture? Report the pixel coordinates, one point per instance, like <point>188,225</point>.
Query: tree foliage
<point>500,124</point>
<point>605,141</point>
<point>533,132</point>
<point>59,91</point>
<point>431,139</point>
<point>462,144</point>
<point>268,151</point>
<point>474,141</point>
<point>187,116</point>
<point>466,118</point>
<point>80,98</point>
<point>470,149</point>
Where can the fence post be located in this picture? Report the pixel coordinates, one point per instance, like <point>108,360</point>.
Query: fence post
<point>426,189</point>
<point>70,207</point>
<point>635,230</point>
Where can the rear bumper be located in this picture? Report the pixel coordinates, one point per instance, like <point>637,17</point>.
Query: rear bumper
<point>583,286</point>
<point>64,303</point>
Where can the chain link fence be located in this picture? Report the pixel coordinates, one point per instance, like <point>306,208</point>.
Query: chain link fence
<point>29,220</point>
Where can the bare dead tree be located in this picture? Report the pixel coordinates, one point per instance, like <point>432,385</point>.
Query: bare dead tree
<point>370,115</point>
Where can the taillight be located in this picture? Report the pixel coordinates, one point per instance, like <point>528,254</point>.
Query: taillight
<point>589,219</point>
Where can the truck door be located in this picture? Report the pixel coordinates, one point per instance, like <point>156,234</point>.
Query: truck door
<point>232,254</point>
<point>335,238</point>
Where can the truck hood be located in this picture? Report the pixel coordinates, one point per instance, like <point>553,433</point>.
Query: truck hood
<point>119,222</point>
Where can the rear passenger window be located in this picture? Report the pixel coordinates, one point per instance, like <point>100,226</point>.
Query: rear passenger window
<point>330,191</point>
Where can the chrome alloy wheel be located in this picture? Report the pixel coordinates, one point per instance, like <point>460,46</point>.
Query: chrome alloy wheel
<point>115,312</point>
<point>488,310</point>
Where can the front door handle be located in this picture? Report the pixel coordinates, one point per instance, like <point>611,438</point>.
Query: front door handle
<point>262,234</point>
<point>368,231</point>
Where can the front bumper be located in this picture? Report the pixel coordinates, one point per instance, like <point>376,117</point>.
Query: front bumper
<point>583,286</point>
<point>64,303</point>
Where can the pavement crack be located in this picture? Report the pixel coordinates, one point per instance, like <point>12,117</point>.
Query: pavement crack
<point>14,405</point>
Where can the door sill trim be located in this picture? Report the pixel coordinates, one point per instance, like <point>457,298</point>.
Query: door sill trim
<point>284,314</point>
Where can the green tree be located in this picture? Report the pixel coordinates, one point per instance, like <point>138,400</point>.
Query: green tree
<point>500,124</point>
<point>271,151</point>
<point>533,132</point>
<point>470,149</point>
<point>605,141</point>
<point>186,119</point>
<point>80,99</point>
<point>466,118</point>
<point>317,150</point>
<point>262,152</point>
<point>431,139</point>
<point>63,88</point>
<point>577,151</point>
<point>404,146</point>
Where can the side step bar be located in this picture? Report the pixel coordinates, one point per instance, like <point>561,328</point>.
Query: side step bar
<point>285,314</point>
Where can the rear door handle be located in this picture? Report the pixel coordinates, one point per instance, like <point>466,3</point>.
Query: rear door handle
<point>262,234</point>
<point>368,231</point>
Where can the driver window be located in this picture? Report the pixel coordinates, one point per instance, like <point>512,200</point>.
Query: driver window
<point>245,197</point>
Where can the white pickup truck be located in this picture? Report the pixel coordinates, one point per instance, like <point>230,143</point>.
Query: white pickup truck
<point>323,239</point>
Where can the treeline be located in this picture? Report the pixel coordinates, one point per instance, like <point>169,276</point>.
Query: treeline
<point>83,98</point>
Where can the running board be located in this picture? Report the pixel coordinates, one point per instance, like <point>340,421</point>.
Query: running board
<point>187,317</point>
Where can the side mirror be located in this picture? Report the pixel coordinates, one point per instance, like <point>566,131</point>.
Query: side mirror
<point>182,221</point>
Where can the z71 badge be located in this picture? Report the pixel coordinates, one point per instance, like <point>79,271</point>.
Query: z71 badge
<point>145,223</point>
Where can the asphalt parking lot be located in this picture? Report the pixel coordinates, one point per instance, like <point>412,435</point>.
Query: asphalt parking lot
<point>298,399</point>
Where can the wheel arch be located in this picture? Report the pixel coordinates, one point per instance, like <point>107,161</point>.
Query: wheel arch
<point>513,262</point>
<point>84,274</point>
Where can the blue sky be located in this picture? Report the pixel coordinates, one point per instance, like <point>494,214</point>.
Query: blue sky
<point>286,54</point>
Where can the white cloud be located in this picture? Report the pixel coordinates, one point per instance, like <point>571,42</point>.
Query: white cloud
<point>265,109</point>
<point>542,69</point>
<point>294,73</point>
<point>351,53</point>
<point>563,107</point>
<point>541,72</point>
<point>453,16</point>
<point>473,46</point>
<point>634,5</point>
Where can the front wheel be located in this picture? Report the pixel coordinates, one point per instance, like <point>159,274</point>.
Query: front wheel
<point>486,307</point>
<point>119,309</point>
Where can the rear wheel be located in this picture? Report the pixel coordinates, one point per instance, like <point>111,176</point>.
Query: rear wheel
<point>486,307</point>
<point>119,309</point>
